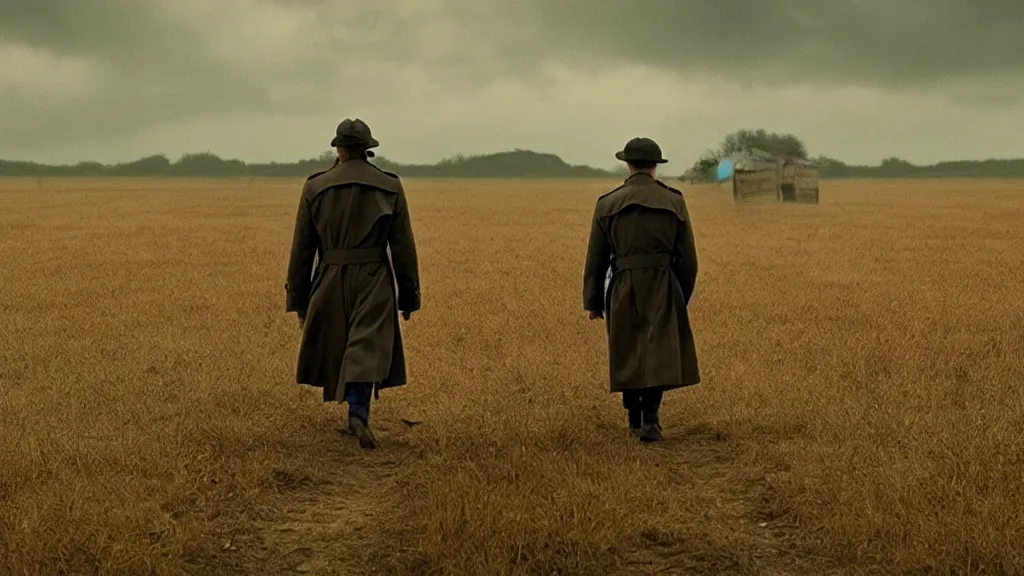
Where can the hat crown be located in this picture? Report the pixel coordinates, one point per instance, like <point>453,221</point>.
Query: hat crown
<point>644,146</point>
<point>353,129</point>
<point>641,150</point>
<point>354,133</point>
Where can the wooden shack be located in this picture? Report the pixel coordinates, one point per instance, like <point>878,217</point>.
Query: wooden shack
<point>761,177</point>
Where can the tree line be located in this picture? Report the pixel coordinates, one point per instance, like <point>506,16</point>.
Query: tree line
<point>520,164</point>
<point>513,164</point>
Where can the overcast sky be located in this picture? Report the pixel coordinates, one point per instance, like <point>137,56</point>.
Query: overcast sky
<point>261,80</point>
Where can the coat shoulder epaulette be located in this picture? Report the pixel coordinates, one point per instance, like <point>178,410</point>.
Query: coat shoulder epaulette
<point>333,166</point>
<point>607,194</point>
<point>387,172</point>
<point>669,188</point>
<point>315,174</point>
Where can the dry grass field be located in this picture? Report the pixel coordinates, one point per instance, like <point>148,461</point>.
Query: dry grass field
<point>862,409</point>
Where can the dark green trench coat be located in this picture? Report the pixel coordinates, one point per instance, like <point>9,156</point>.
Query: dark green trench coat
<point>642,229</point>
<point>341,279</point>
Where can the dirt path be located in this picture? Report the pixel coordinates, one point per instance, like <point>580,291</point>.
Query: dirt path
<point>327,530</point>
<point>729,521</point>
<point>327,527</point>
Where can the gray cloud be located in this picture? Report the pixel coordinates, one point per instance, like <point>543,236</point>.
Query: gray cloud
<point>153,62</point>
<point>105,72</point>
<point>891,43</point>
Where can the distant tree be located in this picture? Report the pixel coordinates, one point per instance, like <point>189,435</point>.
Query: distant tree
<point>452,160</point>
<point>703,170</point>
<point>158,165</point>
<point>207,164</point>
<point>895,166</point>
<point>771,142</point>
<point>823,160</point>
<point>831,167</point>
<point>895,162</point>
<point>89,168</point>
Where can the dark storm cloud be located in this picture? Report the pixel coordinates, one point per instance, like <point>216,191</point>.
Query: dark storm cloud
<point>75,26</point>
<point>105,72</point>
<point>154,62</point>
<point>145,68</point>
<point>890,43</point>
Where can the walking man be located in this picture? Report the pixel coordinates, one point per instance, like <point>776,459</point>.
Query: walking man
<point>348,304</point>
<point>642,232</point>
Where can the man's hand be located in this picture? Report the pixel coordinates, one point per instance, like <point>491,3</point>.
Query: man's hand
<point>406,315</point>
<point>595,315</point>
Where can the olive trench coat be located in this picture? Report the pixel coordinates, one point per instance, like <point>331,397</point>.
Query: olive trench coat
<point>642,231</point>
<point>341,279</point>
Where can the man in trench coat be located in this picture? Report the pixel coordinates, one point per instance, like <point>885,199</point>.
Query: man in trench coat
<point>642,232</point>
<point>348,303</point>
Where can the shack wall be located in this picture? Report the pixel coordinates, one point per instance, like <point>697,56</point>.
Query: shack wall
<point>756,185</point>
<point>800,184</point>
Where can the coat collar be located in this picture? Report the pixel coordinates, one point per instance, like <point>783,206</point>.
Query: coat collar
<point>640,178</point>
<point>354,172</point>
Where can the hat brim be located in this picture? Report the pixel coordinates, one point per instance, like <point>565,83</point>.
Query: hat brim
<point>621,155</point>
<point>339,143</point>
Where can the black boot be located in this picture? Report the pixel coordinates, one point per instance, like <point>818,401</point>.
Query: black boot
<point>651,429</point>
<point>357,395</point>
<point>361,430</point>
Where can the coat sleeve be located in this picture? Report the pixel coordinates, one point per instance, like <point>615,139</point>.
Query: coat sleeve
<point>596,267</point>
<point>685,262</point>
<point>305,242</point>
<point>403,256</point>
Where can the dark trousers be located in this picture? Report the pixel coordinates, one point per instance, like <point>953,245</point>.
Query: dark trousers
<point>357,395</point>
<point>645,400</point>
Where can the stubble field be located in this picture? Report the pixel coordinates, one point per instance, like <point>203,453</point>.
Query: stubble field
<point>862,407</point>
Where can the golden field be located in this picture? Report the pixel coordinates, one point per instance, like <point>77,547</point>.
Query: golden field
<point>862,409</point>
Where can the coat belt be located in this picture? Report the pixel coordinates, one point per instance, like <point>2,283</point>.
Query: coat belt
<point>355,256</point>
<point>643,261</point>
